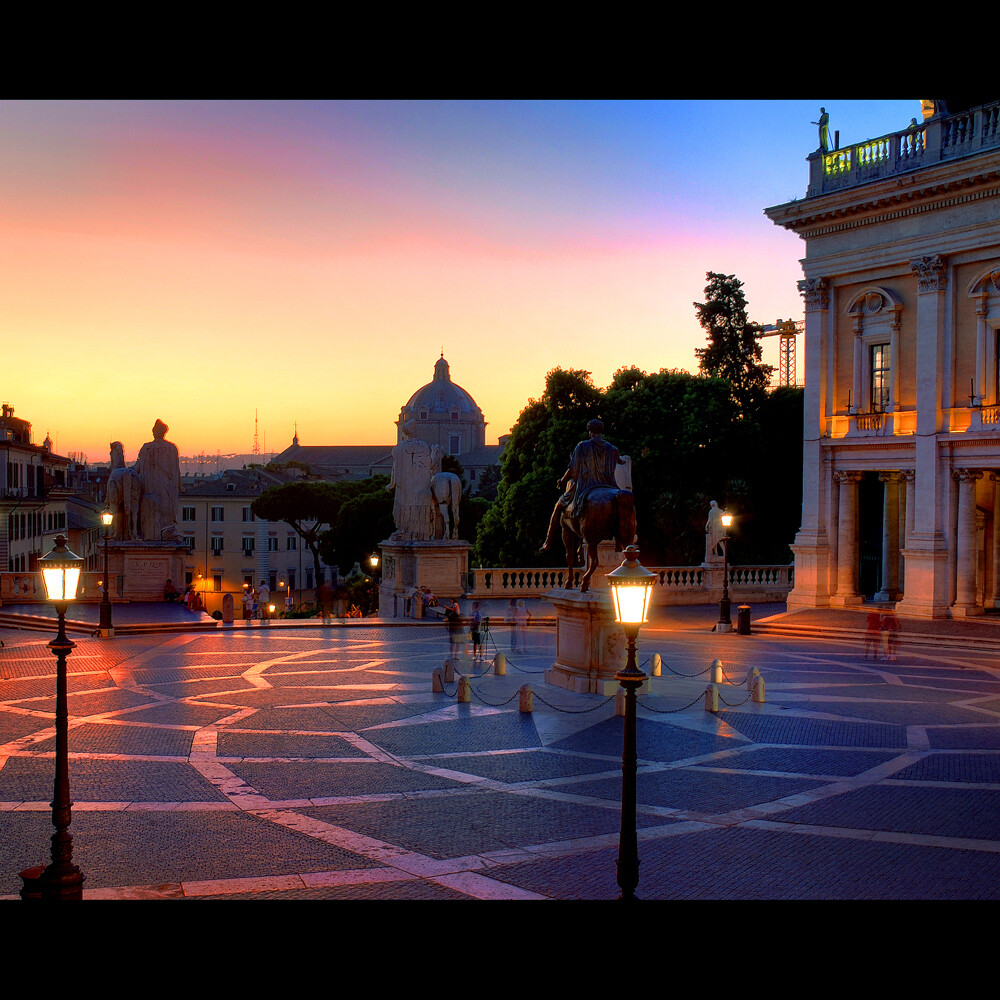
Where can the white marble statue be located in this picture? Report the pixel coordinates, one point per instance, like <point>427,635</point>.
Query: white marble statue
<point>159,470</point>
<point>412,469</point>
<point>714,531</point>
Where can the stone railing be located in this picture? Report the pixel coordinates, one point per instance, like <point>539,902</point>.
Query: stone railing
<point>932,141</point>
<point>869,421</point>
<point>676,584</point>
<point>991,415</point>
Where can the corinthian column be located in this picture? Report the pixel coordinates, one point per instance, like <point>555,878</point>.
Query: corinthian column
<point>847,540</point>
<point>965,545</point>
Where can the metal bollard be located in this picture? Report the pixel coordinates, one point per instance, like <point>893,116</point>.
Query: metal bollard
<point>758,691</point>
<point>752,678</point>
<point>527,699</point>
<point>449,670</point>
<point>655,664</point>
<point>716,671</point>
<point>464,689</point>
<point>712,699</point>
<point>743,619</point>
<point>500,665</point>
<point>437,681</point>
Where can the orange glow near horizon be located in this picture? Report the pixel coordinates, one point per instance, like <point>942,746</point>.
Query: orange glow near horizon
<point>198,262</point>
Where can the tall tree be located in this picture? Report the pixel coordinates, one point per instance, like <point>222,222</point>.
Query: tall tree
<point>734,351</point>
<point>308,507</point>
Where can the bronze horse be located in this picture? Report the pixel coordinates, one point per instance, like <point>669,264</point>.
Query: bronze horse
<point>607,513</point>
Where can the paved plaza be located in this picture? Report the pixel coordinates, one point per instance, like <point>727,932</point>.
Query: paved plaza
<point>304,762</point>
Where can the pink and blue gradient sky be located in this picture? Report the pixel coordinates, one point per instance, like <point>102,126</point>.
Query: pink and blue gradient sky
<point>198,261</point>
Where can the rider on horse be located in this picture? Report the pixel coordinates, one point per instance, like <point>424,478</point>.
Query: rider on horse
<point>591,466</point>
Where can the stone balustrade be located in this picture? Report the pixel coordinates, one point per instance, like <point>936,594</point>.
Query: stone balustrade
<point>932,141</point>
<point>675,584</point>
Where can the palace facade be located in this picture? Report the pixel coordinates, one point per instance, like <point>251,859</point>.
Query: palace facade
<point>901,499</point>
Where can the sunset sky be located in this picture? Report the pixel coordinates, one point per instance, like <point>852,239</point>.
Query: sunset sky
<point>200,261</point>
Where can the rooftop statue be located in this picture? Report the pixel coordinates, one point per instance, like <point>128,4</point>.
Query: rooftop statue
<point>592,507</point>
<point>824,130</point>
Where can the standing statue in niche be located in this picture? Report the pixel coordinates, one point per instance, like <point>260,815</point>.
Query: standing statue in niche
<point>124,496</point>
<point>412,469</point>
<point>714,531</point>
<point>159,470</point>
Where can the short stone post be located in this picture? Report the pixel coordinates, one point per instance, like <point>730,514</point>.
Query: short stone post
<point>437,681</point>
<point>228,613</point>
<point>527,699</point>
<point>500,665</point>
<point>449,670</point>
<point>716,671</point>
<point>758,691</point>
<point>655,664</point>
<point>712,699</point>
<point>464,689</point>
<point>751,678</point>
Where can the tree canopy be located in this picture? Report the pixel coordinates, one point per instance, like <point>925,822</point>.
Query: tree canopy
<point>734,351</point>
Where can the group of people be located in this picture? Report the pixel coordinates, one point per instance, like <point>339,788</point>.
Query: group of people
<point>257,603</point>
<point>882,635</point>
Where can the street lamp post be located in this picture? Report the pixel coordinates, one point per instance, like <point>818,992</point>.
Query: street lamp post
<point>631,591</point>
<point>725,623</point>
<point>106,624</point>
<point>61,879</point>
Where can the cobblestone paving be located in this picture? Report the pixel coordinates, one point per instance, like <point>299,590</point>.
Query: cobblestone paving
<point>314,764</point>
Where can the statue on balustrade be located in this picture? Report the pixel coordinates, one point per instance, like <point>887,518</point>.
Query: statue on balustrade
<point>824,130</point>
<point>714,531</point>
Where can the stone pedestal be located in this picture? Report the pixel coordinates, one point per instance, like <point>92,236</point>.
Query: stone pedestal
<point>139,570</point>
<point>441,565</point>
<point>590,644</point>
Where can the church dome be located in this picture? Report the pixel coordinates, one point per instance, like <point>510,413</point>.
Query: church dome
<point>445,413</point>
<point>440,396</point>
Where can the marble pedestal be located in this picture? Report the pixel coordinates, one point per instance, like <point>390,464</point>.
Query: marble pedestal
<point>139,570</point>
<point>442,565</point>
<point>590,645</point>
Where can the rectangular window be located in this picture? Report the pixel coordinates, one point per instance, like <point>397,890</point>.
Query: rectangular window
<point>189,541</point>
<point>290,543</point>
<point>291,579</point>
<point>187,513</point>
<point>272,544</point>
<point>216,545</point>
<point>247,514</point>
<point>879,358</point>
<point>218,513</point>
<point>454,444</point>
<point>248,546</point>
<point>217,582</point>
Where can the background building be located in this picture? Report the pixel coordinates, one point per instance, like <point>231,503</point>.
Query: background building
<point>902,369</point>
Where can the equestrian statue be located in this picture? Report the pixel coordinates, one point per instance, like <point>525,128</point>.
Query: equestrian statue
<point>592,507</point>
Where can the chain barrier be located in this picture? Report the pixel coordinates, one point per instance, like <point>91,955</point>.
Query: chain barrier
<point>568,711</point>
<point>735,704</point>
<point>698,673</point>
<point>670,711</point>
<point>494,704</point>
<point>741,681</point>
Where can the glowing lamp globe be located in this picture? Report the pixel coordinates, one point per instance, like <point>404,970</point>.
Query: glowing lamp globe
<point>61,572</point>
<point>631,589</point>
<point>107,517</point>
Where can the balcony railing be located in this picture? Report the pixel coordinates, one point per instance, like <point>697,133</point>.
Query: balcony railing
<point>932,141</point>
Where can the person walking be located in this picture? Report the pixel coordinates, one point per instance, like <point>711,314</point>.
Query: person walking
<point>521,618</point>
<point>890,630</point>
<point>873,634</point>
<point>248,604</point>
<point>263,599</point>
<point>477,634</point>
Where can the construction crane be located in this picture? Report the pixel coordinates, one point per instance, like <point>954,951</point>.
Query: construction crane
<point>787,330</point>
